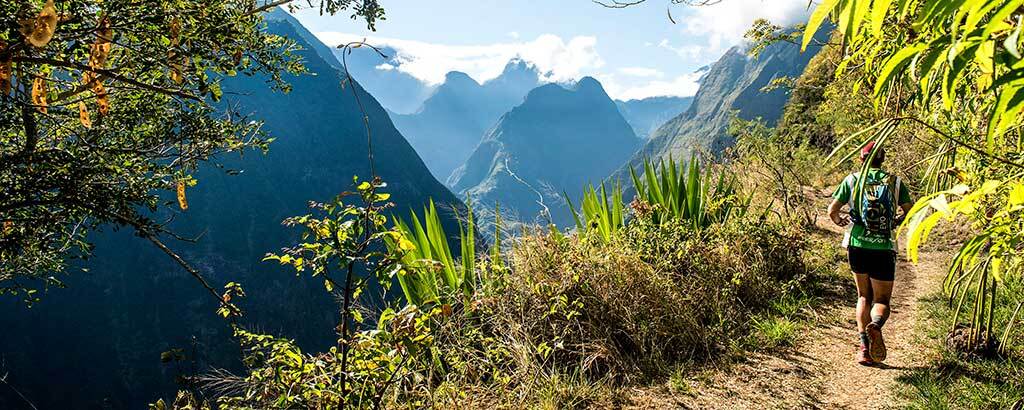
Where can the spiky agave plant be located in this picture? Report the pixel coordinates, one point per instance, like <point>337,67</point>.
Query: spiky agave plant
<point>682,191</point>
<point>599,211</point>
<point>430,273</point>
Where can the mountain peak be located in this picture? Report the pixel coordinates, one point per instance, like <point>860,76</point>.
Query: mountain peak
<point>580,129</point>
<point>458,77</point>
<point>519,74</point>
<point>589,83</point>
<point>518,64</point>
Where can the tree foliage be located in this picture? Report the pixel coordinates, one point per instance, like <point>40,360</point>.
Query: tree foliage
<point>108,108</point>
<point>953,71</point>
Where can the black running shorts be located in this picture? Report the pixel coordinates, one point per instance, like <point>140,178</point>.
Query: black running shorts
<point>878,264</point>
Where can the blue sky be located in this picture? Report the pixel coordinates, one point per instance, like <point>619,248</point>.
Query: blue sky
<point>635,52</point>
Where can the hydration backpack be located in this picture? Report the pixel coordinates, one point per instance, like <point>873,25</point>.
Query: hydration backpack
<point>875,207</point>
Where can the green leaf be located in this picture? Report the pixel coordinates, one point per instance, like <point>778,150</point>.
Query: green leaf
<point>815,21</point>
<point>842,144</point>
<point>893,65</point>
<point>878,12</point>
<point>918,232</point>
<point>858,15</point>
<point>998,21</point>
<point>1016,196</point>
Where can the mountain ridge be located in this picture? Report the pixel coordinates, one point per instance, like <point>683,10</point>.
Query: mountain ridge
<point>647,114</point>
<point>559,139</point>
<point>735,83</point>
<point>451,122</point>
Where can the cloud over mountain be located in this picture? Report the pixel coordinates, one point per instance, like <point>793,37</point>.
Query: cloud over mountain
<point>722,25</point>
<point>558,59</point>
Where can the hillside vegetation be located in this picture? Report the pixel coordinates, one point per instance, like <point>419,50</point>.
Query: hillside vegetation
<point>701,266</point>
<point>545,319</point>
<point>714,253</point>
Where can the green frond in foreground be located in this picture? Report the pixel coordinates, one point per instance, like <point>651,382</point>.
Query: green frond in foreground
<point>679,191</point>
<point>429,271</point>
<point>599,211</point>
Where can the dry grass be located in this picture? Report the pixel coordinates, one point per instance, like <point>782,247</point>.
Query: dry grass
<point>576,318</point>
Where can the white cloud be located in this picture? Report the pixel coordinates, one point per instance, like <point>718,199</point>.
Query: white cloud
<point>514,34</point>
<point>687,52</point>
<point>684,85</point>
<point>560,60</point>
<point>641,72</point>
<point>681,86</point>
<point>722,25</point>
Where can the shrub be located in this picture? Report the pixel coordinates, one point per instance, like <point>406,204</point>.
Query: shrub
<point>431,273</point>
<point>657,294</point>
<point>685,191</point>
<point>599,211</point>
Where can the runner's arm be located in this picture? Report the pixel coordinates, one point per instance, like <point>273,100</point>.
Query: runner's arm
<point>906,203</point>
<point>835,213</point>
<point>905,207</point>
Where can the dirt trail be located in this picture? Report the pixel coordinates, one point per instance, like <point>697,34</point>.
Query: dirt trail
<point>820,372</point>
<point>846,384</point>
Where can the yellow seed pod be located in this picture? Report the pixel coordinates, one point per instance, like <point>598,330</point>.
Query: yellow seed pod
<point>83,115</point>
<point>176,73</point>
<point>182,202</point>
<point>101,97</point>
<point>39,93</point>
<point>5,76</point>
<point>100,49</point>
<point>172,55</point>
<point>39,31</point>
<point>174,30</point>
<point>88,77</point>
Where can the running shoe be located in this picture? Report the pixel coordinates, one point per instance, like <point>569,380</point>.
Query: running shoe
<point>864,357</point>
<point>877,349</point>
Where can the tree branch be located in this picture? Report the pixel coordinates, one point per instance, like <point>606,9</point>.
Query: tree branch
<point>267,6</point>
<point>16,391</point>
<point>4,208</point>
<point>961,143</point>
<point>109,74</point>
<point>147,233</point>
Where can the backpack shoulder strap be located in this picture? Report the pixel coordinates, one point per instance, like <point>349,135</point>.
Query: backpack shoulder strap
<point>851,181</point>
<point>895,182</point>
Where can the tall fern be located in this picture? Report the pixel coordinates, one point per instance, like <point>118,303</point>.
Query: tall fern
<point>430,273</point>
<point>599,212</point>
<point>683,191</point>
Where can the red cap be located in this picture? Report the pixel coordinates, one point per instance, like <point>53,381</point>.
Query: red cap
<point>866,151</point>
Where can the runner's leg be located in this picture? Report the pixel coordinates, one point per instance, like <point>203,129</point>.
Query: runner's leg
<point>865,296</point>
<point>882,294</point>
<point>879,314</point>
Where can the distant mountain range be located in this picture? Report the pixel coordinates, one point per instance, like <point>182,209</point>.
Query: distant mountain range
<point>451,122</point>
<point>734,84</point>
<point>560,138</point>
<point>646,115</point>
<point>97,344</point>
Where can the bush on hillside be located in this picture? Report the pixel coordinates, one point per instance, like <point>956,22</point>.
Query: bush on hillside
<point>655,295</point>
